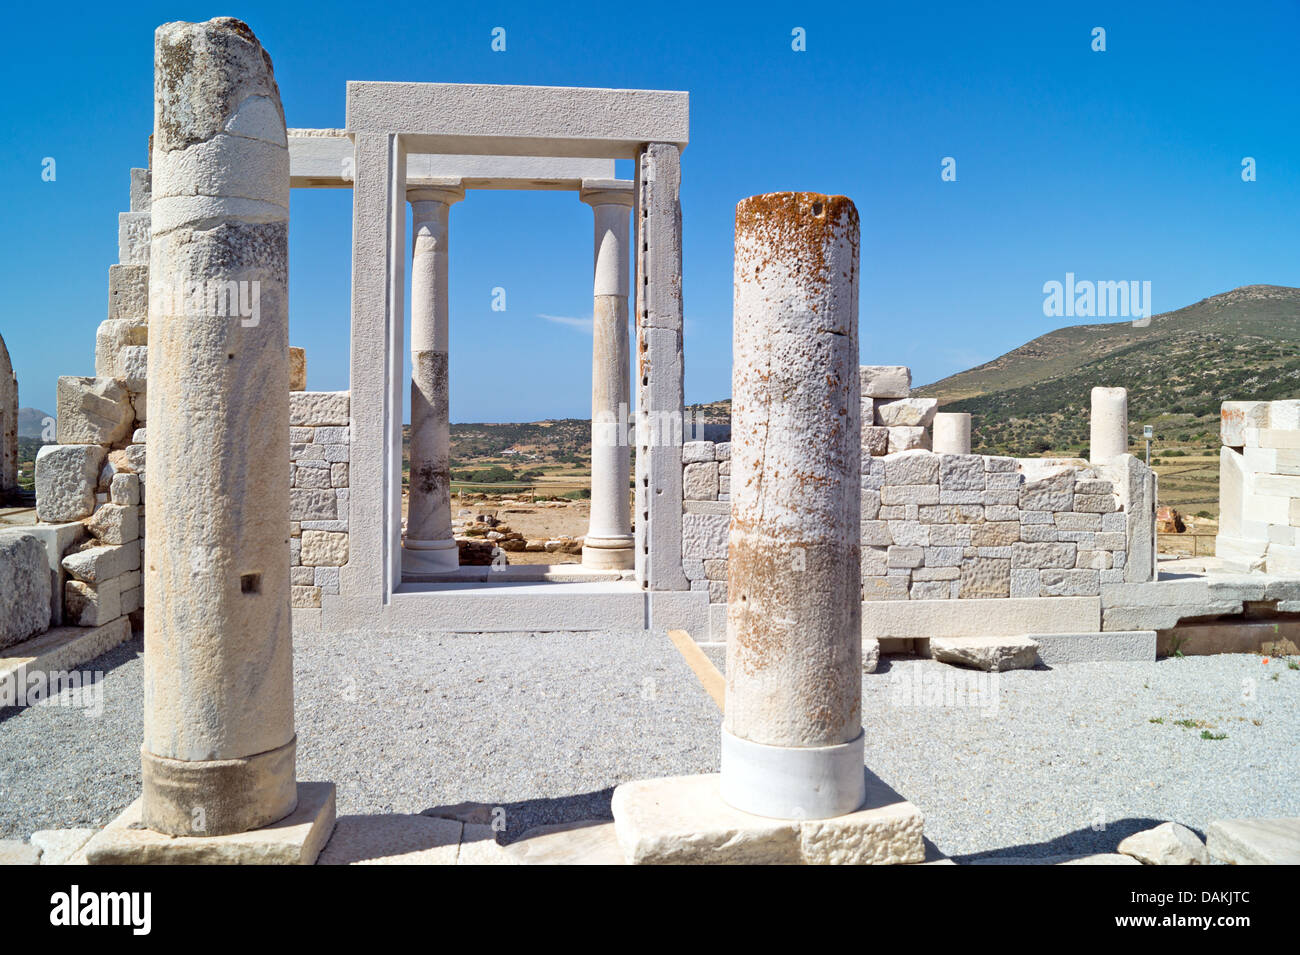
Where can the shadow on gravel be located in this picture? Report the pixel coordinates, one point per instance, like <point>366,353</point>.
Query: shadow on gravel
<point>105,664</point>
<point>519,817</point>
<point>1077,843</point>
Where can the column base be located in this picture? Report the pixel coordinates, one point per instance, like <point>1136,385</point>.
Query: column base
<point>296,839</point>
<point>429,557</point>
<point>789,782</point>
<point>220,796</point>
<point>683,820</point>
<point>609,553</point>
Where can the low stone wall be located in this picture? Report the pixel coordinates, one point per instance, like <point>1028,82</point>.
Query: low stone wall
<point>950,526</point>
<point>320,451</point>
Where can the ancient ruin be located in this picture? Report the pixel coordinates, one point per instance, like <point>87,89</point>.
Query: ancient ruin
<point>843,517</point>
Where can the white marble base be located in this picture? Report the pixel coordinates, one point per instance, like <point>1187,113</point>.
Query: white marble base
<point>429,557</point>
<point>792,782</point>
<point>609,553</point>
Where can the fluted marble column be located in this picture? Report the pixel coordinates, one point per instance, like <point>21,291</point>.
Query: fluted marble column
<point>429,547</point>
<point>609,543</point>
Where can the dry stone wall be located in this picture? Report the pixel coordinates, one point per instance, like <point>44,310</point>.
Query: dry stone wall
<point>320,450</point>
<point>954,526</point>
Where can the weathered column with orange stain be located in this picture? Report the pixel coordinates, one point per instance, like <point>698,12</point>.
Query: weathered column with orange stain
<point>792,743</point>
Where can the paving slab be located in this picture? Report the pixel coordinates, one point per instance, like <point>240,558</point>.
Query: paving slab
<point>1255,841</point>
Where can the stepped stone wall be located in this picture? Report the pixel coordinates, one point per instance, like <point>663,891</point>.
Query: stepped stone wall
<point>1259,486</point>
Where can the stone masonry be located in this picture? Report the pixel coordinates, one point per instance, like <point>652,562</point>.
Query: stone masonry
<point>953,526</point>
<point>320,444</point>
<point>1259,487</point>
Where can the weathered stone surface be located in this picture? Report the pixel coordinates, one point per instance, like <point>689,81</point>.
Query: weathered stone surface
<point>1255,841</point>
<point>704,536</point>
<point>92,605</point>
<point>697,452</point>
<point>297,369</point>
<point>66,477</point>
<point>1237,416</point>
<point>1070,583</point>
<point>1166,844</point>
<point>995,534</point>
<point>884,381</point>
<point>1054,493</point>
<point>912,467</point>
<point>94,565</point>
<point>296,839</point>
<point>112,338</point>
<point>124,490</point>
<point>1026,555</point>
<point>58,846</point>
<point>986,653</point>
<point>700,481</point>
<point>906,412</point>
<point>93,411</point>
<point>17,852</point>
<point>392,839</point>
<point>875,441</point>
<point>324,549</point>
<point>115,523</point>
<point>319,408</point>
<point>908,439</point>
<point>983,577</point>
<point>24,587</point>
<point>128,292</point>
<point>683,820</point>
<point>870,655</point>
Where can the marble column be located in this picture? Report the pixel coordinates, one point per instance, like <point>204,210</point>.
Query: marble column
<point>792,742</point>
<point>951,433</point>
<point>1109,437</point>
<point>219,743</point>
<point>429,547</point>
<point>609,543</point>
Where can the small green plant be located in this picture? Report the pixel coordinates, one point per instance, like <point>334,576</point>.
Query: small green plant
<point>1187,724</point>
<point>1156,719</point>
<point>1292,665</point>
<point>1206,734</point>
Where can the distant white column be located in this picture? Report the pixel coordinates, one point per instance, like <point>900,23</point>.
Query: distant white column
<point>951,433</point>
<point>1109,424</point>
<point>429,547</point>
<point>609,543</point>
<point>792,742</point>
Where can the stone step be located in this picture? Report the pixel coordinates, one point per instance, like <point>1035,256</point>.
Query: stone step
<point>1255,841</point>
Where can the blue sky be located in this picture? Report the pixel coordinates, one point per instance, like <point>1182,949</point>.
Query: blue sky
<point>1115,165</point>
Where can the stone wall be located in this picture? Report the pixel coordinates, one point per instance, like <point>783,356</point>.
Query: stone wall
<point>947,526</point>
<point>954,526</point>
<point>320,452</point>
<point>1259,487</point>
<point>706,512</point>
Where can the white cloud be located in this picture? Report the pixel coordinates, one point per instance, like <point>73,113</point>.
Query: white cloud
<point>581,324</point>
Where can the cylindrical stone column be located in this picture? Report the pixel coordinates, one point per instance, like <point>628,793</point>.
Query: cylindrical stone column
<point>609,543</point>
<point>1109,437</point>
<point>951,433</point>
<point>218,754</point>
<point>429,547</point>
<point>792,740</point>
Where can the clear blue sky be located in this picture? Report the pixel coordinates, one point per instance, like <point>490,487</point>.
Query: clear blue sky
<point>1117,165</point>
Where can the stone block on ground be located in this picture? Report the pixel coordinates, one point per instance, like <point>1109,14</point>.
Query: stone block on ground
<point>1166,844</point>
<point>24,587</point>
<point>1255,841</point>
<point>296,839</point>
<point>986,653</point>
<point>682,820</point>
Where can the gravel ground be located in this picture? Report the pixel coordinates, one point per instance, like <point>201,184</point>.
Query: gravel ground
<point>546,724</point>
<point>1072,748</point>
